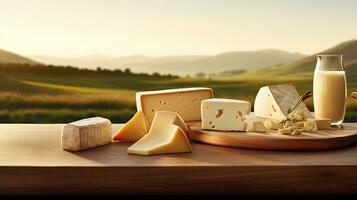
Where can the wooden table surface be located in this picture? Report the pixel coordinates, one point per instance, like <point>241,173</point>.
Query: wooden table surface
<point>32,162</point>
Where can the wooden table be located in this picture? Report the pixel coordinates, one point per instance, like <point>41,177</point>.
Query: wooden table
<point>32,162</point>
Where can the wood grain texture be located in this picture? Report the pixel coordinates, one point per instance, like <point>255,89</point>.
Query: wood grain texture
<point>271,140</point>
<point>179,180</point>
<point>33,162</point>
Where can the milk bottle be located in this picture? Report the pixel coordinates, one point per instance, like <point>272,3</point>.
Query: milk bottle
<point>330,88</point>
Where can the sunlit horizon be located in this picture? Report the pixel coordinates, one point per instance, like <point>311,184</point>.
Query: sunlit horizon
<point>174,27</point>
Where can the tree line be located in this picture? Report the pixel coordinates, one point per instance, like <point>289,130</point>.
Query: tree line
<point>65,70</point>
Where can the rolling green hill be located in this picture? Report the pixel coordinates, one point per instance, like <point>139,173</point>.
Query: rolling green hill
<point>304,67</point>
<point>60,94</point>
<point>8,57</point>
<point>57,94</point>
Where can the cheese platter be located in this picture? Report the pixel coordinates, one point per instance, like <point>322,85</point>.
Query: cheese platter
<point>168,120</point>
<point>334,137</point>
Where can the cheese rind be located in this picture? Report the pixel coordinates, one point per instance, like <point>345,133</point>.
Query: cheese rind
<point>168,134</point>
<point>86,133</point>
<point>224,114</point>
<point>186,102</point>
<point>274,101</point>
<point>134,129</point>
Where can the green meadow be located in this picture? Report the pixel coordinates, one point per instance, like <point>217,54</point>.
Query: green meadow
<point>27,97</point>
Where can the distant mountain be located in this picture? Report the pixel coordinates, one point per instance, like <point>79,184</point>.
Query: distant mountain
<point>347,49</point>
<point>8,57</point>
<point>305,66</point>
<point>183,64</point>
<point>230,61</point>
<point>154,65</point>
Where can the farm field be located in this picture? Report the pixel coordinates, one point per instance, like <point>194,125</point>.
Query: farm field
<point>54,98</point>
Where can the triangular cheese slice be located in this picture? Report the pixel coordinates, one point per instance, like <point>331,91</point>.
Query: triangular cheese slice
<point>168,134</point>
<point>274,102</point>
<point>134,129</point>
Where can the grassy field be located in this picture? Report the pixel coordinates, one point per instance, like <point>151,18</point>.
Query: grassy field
<point>53,98</point>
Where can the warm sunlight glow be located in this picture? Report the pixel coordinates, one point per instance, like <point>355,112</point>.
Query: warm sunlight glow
<point>167,27</point>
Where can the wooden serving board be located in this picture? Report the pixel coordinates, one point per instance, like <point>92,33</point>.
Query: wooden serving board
<point>320,140</point>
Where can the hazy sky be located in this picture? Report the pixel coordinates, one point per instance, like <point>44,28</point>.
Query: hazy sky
<point>168,27</point>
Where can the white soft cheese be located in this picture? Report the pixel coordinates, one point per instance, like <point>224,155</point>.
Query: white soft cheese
<point>224,114</point>
<point>86,133</point>
<point>274,101</point>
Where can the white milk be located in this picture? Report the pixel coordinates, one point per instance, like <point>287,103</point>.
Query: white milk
<point>330,93</point>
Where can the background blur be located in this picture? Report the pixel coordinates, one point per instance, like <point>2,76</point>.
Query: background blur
<point>65,60</point>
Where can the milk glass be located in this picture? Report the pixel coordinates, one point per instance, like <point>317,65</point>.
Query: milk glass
<point>330,88</point>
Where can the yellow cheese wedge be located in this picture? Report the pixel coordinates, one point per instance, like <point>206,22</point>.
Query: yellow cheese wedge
<point>134,129</point>
<point>168,134</point>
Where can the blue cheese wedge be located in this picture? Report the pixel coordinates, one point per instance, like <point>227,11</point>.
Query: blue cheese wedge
<point>273,102</point>
<point>86,133</point>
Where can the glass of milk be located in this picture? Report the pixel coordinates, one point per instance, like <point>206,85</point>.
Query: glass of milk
<point>330,88</point>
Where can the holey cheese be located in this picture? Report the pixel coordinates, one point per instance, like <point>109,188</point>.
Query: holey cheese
<point>224,114</point>
<point>274,101</point>
<point>86,133</point>
<point>186,102</point>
